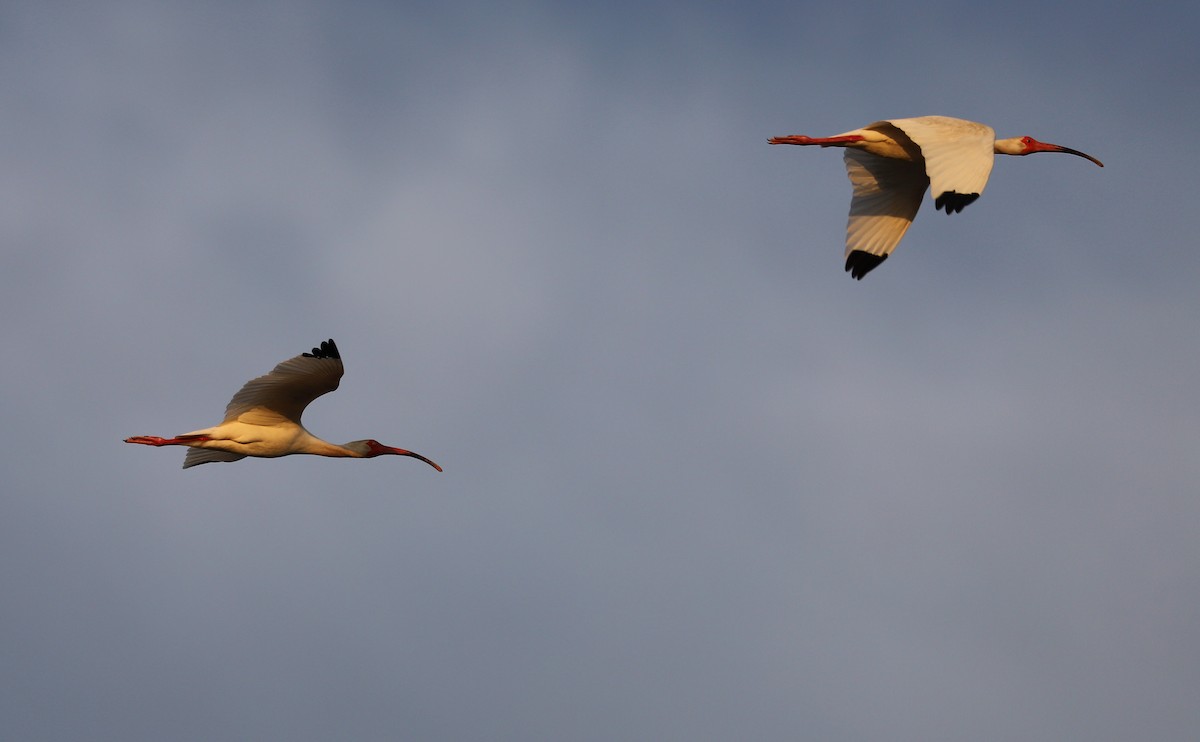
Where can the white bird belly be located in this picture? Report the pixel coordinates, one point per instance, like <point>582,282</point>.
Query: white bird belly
<point>253,440</point>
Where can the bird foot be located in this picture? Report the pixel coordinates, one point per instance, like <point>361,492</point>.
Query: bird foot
<point>154,440</point>
<point>823,141</point>
<point>147,440</point>
<point>791,139</point>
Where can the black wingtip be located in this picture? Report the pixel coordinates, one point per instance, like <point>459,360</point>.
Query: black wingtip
<point>954,202</point>
<point>328,349</point>
<point>859,263</point>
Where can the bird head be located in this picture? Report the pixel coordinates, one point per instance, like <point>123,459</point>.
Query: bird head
<point>370,448</point>
<point>1029,145</point>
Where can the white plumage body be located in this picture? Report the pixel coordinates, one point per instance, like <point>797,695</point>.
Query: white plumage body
<point>263,418</point>
<point>892,162</point>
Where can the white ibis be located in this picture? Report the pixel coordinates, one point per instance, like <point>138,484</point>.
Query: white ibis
<point>263,419</point>
<point>890,164</point>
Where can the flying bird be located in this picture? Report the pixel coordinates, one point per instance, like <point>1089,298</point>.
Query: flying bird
<point>263,419</point>
<point>892,162</point>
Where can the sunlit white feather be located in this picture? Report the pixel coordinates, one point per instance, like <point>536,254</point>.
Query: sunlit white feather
<point>958,154</point>
<point>887,195</point>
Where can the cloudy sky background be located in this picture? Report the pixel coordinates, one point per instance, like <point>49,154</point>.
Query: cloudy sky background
<point>699,483</point>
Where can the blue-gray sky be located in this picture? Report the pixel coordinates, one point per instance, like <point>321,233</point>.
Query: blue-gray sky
<point>699,483</point>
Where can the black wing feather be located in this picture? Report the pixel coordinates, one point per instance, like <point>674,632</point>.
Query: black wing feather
<point>860,262</point>
<point>328,349</point>
<point>954,202</point>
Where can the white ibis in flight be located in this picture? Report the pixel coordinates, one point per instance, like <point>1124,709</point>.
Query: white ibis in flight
<point>263,419</point>
<point>891,163</point>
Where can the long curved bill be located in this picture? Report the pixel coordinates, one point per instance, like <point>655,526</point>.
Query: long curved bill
<point>404,452</point>
<point>1068,151</point>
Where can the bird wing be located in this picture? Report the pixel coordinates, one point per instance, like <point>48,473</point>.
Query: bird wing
<point>958,157</point>
<point>282,395</point>
<point>197,456</point>
<point>887,194</point>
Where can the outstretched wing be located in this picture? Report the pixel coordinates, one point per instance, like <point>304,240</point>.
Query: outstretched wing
<point>282,395</point>
<point>958,157</point>
<point>887,194</point>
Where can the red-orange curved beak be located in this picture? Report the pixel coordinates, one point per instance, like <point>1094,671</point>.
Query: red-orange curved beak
<point>375,448</point>
<point>403,452</point>
<point>1037,146</point>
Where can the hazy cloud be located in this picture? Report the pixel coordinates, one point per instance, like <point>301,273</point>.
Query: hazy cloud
<point>699,484</point>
